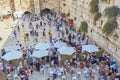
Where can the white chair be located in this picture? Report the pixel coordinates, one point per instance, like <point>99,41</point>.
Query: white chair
<point>47,66</point>
<point>15,76</point>
<point>64,78</point>
<point>79,73</point>
<point>116,79</point>
<point>74,77</point>
<point>93,71</point>
<point>58,79</point>
<point>78,64</point>
<point>51,73</point>
<point>59,74</point>
<point>10,77</point>
<point>42,70</point>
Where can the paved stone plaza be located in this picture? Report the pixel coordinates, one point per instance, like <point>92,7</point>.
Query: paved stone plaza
<point>11,40</point>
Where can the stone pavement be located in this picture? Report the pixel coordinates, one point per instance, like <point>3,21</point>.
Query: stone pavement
<point>6,27</point>
<point>12,41</point>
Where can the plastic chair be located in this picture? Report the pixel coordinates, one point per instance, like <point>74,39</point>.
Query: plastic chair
<point>64,78</point>
<point>79,73</point>
<point>42,70</point>
<point>74,77</point>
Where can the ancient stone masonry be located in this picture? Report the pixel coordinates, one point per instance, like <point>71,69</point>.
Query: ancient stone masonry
<point>79,11</point>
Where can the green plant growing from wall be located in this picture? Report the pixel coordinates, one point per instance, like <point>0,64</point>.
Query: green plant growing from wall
<point>115,36</point>
<point>110,26</point>
<point>94,6</point>
<point>84,26</point>
<point>97,17</point>
<point>68,14</point>
<point>94,9</point>
<point>103,0</point>
<point>112,12</point>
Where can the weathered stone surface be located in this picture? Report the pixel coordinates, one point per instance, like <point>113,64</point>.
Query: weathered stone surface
<point>78,9</point>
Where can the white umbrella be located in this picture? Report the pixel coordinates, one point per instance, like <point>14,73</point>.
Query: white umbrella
<point>66,50</point>
<point>41,53</point>
<point>12,55</point>
<point>42,46</point>
<point>90,48</point>
<point>18,14</point>
<point>59,44</point>
<point>12,48</point>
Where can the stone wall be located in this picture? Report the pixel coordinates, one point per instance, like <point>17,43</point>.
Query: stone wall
<point>5,5</point>
<point>81,10</point>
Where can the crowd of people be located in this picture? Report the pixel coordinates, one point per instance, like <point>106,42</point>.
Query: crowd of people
<point>88,65</point>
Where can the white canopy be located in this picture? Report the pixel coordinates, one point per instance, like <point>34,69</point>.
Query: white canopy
<point>12,55</point>
<point>59,44</point>
<point>18,14</point>
<point>42,46</point>
<point>90,48</point>
<point>66,50</point>
<point>12,48</point>
<point>40,53</point>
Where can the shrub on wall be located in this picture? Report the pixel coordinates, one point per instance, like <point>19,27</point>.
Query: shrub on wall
<point>97,16</point>
<point>84,26</point>
<point>104,0</point>
<point>68,14</point>
<point>110,26</point>
<point>112,12</point>
<point>115,36</point>
<point>94,6</point>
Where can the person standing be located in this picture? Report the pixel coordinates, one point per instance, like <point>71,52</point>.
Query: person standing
<point>40,23</point>
<point>69,37</point>
<point>18,28</point>
<point>15,34</point>
<point>25,37</point>
<point>62,33</point>
<point>44,33</point>
<point>50,38</point>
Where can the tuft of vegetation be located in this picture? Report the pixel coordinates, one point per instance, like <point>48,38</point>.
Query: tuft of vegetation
<point>115,36</point>
<point>104,0</point>
<point>110,26</point>
<point>68,14</point>
<point>94,6</point>
<point>93,2</point>
<point>84,26</point>
<point>97,16</point>
<point>112,12</point>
